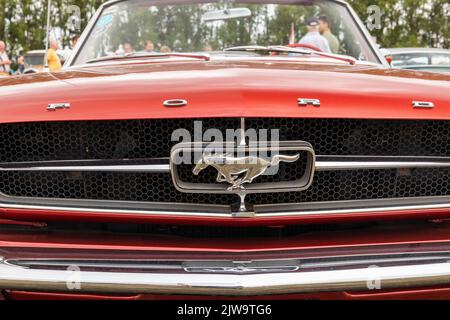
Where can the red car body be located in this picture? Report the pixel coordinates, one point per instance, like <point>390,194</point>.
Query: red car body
<point>266,87</point>
<point>239,88</point>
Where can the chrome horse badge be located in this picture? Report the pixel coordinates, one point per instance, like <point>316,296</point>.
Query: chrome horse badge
<point>239,171</point>
<point>238,174</point>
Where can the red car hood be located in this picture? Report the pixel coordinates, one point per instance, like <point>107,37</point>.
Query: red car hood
<point>224,88</point>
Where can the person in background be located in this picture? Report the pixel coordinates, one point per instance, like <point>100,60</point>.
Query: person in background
<point>21,63</point>
<point>128,48</point>
<point>165,49</point>
<point>149,46</point>
<point>313,36</point>
<point>74,41</point>
<point>120,51</point>
<point>54,63</point>
<point>325,30</point>
<point>5,63</point>
<point>67,52</point>
<point>208,47</point>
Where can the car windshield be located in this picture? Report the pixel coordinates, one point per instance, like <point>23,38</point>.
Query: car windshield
<point>145,27</point>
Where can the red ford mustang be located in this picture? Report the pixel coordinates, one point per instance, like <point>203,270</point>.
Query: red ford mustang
<point>223,149</point>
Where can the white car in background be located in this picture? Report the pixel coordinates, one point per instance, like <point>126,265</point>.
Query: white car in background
<point>421,59</point>
<point>34,60</point>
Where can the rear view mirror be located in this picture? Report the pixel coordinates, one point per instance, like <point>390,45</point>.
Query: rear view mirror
<point>30,71</point>
<point>387,54</point>
<point>227,14</point>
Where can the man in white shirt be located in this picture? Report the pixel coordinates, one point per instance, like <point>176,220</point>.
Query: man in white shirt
<point>314,38</point>
<point>5,63</point>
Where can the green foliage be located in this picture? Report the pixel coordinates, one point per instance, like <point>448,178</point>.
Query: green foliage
<point>23,22</point>
<point>409,23</point>
<point>404,23</point>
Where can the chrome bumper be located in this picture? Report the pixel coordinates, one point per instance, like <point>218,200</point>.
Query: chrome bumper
<point>16,277</point>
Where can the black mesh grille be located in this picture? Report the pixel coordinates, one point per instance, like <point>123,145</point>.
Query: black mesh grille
<point>103,186</point>
<point>40,141</point>
<point>365,184</point>
<point>47,141</point>
<point>364,137</point>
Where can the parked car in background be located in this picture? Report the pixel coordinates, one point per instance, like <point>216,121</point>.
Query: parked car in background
<point>34,61</point>
<point>333,180</point>
<point>421,59</point>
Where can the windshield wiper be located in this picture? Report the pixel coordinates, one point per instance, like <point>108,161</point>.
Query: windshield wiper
<point>284,49</point>
<point>269,49</point>
<point>205,57</point>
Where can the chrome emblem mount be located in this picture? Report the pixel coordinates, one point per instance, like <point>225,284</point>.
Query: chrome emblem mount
<point>242,267</point>
<point>302,102</point>
<point>238,175</point>
<point>57,106</point>
<point>239,171</point>
<point>423,104</point>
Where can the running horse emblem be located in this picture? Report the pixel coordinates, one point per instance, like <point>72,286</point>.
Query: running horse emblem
<point>239,171</point>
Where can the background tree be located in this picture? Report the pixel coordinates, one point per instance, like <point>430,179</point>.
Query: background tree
<point>409,23</point>
<point>422,23</point>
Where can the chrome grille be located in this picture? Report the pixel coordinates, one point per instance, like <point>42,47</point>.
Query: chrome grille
<point>414,140</point>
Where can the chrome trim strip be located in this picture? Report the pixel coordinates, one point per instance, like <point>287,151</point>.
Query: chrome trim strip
<point>124,168</point>
<point>341,165</point>
<point>259,210</point>
<point>332,163</point>
<point>394,277</point>
<point>214,265</point>
<point>323,163</point>
<point>118,211</point>
<point>352,211</point>
<point>124,165</point>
